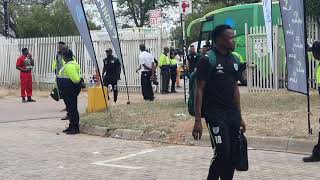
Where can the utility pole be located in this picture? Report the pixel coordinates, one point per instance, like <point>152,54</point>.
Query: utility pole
<point>185,7</point>
<point>182,18</point>
<point>6,17</point>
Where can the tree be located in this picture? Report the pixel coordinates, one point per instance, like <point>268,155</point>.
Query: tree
<point>199,11</point>
<point>137,10</point>
<point>16,6</point>
<point>38,18</point>
<point>313,8</point>
<point>52,20</point>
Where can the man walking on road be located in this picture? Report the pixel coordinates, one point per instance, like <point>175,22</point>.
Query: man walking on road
<point>146,61</point>
<point>111,73</point>
<point>217,98</point>
<point>315,156</point>
<point>25,65</point>
<point>164,64</point>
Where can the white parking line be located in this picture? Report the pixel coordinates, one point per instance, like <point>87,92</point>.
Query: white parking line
<point>106,163</point>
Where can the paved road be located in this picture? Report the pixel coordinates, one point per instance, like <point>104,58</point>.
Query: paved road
<point>34,149</point>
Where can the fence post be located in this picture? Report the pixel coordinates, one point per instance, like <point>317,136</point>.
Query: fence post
<point>35,56</point>
<point>276,57</point>
<point>248,57</point>
<point>74,49</point>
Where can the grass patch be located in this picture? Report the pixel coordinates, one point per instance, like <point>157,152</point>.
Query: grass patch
<point>277,114</point>
<point>146,116</point>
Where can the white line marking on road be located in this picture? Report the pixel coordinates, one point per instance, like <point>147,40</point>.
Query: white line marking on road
<point>117,166</point>
<point>105,163</point>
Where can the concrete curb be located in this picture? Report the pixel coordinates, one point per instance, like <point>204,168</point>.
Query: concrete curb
<point>127,134</point>
<point>95,130</point>
<point>289,145</point>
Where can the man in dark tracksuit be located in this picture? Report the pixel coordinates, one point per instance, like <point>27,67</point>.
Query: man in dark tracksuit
<point>192,58</point>
<point>218,97</point>
<point>111,73</point>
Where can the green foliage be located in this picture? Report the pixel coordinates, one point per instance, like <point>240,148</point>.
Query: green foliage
<point>137,10</point>
<point>234,2</point>
<point>313,8</point>
<point>43,21</point>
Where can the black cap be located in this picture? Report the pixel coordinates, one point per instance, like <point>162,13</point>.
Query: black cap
<point>316,46</point>
<point>109,50</point>
<point>68,54</point>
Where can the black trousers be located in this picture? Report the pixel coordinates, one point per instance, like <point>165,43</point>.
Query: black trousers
<point>71,100</point>
<point>146,85</point>
<point>61,96</point>
<point>224,128</point>
<point>173,76</point>
<point>165,78</point>
<point>114,83</point>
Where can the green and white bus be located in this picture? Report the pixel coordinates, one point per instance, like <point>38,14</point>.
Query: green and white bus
<point>237,17</point>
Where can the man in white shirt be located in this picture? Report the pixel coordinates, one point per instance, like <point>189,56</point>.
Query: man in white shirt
<point>146,62</point>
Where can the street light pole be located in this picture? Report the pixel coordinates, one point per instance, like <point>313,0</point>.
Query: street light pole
<point>6,17</point>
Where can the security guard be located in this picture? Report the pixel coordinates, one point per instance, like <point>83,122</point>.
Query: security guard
<point>173,70</point>
<point>111,73</point>
<point>58,62</point>
<point>69,81</point>
<point>192,58</point>
<point>315,156</point>
<point>241,60</point>
<point>164,64</point>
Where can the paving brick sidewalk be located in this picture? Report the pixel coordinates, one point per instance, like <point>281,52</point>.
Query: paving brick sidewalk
<point>35,149</point>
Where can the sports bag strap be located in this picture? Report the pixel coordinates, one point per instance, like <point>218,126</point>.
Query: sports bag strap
<point>212,57</point>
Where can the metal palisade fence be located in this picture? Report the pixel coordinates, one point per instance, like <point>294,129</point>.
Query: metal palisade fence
<point>260,75</point>
<point>44,51</point>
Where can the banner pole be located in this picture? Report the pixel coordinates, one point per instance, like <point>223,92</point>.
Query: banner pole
<point>307,63</point>
<point>97,64</point>
<point>124,70</point>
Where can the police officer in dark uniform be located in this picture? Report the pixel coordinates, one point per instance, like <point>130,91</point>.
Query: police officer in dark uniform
<point>111,73</point>
<point>192,58</point>
<point>217,94</point>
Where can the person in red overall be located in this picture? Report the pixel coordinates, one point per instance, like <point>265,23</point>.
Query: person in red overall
<point>25,64</point>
